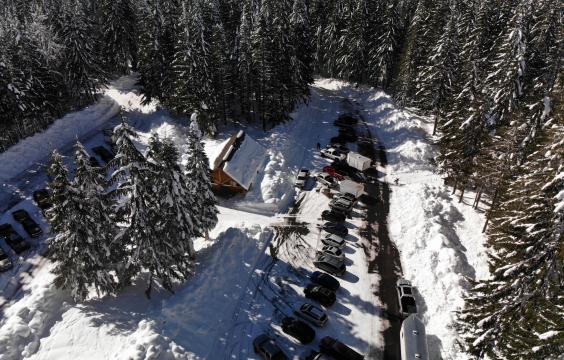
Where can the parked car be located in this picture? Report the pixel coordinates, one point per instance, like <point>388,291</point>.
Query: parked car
<point>13,239</point>
<point>330,264</point>
<point>29,225</point>
<point>312,314</point>
<point>327,180</point>
<point>333,251</point>
<point>406,301</point>
<point>104,153</point>
<point>298,329</point>
<point>347,196</point>
<point>338,350</point>
<point>5,262</point>
<point>324,279</point>
<point>335,228</point>
<point>344,169</point>
<point>342,148</point>
<point>316,355</point>
<point>331,171</point>
<point>42,199</point>
<point>321,294</point>
<point>341,205</point>
<point>94,162</point>
<point>301,179</point>
<point>334,240</point>
<point>267,348</point>
<point>333,216</point>
<point>333,154</point>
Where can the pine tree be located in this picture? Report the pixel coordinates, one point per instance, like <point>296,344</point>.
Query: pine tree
<point>119,26</point>
<point>302,54</point>
<point>198,174</point>
<point>80,65</point>
<point>81,247</point>
<point>510,315</point>
<point>176,222</point>
<point>385,52</point>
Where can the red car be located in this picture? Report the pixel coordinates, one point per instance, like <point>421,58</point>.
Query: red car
<point>331,171</point>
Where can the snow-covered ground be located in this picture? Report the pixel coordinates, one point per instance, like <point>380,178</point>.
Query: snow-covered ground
<point>236,291</point>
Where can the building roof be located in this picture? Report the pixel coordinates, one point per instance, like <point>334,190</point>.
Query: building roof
<point>241,158</point>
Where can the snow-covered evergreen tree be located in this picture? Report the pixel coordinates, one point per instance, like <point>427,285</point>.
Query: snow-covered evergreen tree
<point>176,219</point>
<point>82,246</point>
<point>199,181</point>
<point>119,28</point>
<point>80,64</point>
<point>302,54</point>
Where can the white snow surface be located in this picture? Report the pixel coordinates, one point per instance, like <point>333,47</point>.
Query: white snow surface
<point>235,293</point>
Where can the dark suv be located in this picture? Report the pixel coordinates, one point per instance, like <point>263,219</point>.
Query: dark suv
<point>42,198</point>
<point>29,225</point>
<point>267,348</point>
<point>338,350</point>
<point>298,329</point>
<point>13,239</point>
<point>104,153</point>
<point>321,294</point>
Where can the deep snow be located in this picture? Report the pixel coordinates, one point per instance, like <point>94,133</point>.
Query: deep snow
<point>237,292</point>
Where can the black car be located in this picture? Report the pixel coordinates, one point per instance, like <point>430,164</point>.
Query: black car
<point>5,262</point>
<point>325,280</point>
<point>267,348</point>
<point>338,350</point>
<point>29,225</point>
<point>333,216</point>
<point>94,162</point>
<point>298,329</point>
<point>321,294</point>
<point>335,228</point>
<point>13,239</point>
<point>42,198</point>
<point>104,153</point>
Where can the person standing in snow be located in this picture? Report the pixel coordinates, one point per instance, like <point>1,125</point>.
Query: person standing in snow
<point>396,181</point>
<point>318,146</point>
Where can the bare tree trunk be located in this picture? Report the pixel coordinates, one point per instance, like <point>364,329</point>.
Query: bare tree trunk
<point>461,194</point>
<point>477,198</point>
<point>494,201</point>
<point>149,287</point>
<point>436,124</point>
<point>454,187</point>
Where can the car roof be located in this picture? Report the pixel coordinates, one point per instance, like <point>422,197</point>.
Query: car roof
<point>329,259</point>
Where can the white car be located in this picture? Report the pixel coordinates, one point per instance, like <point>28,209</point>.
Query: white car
<point>406,301</point>
<point>327,180</point>
<point>312,314</point>
<point>5,262</point>
<point>332,251</point>
<point>333,154</point>
<point>334,240</point>
<point>301,179</point>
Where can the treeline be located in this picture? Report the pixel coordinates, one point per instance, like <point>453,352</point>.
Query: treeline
<point>144,218</point>
<point>227,59</point>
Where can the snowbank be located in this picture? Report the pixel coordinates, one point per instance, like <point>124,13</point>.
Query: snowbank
<point>440,240</point>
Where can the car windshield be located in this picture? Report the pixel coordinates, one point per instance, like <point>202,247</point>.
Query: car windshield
<point>407,290</point>
<point>408,304</point>
<point>316,312</point>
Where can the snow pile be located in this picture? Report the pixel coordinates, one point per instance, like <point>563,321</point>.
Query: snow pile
<point>440,240</point>
<point>30,319</point>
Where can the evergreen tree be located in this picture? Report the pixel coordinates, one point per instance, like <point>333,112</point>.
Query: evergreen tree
<point>82,246</point>
<point>80,64</point>
<point>385,53</point>
<point>119,26</point>
<point>176,213</point>
<point>198,174</point>
<point>302,55</point>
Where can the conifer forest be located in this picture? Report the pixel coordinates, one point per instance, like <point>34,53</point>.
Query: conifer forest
<point>487,72</point>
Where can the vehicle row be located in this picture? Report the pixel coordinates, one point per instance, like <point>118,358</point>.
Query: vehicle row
<point>14,240</point>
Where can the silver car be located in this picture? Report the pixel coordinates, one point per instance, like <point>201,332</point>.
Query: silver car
<point>327,180</point>
<point>333,154</point>
<point>313,314</point>
<point>301,179</point>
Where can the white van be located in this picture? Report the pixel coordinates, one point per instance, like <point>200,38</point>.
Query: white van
<point>413,340</point>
